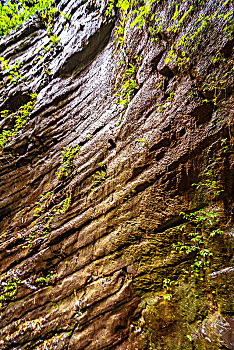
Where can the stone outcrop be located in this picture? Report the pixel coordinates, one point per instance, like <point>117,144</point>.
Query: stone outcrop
<point>89,237</point>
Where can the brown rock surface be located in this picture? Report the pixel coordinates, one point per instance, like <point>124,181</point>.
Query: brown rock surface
<point>88,271</point>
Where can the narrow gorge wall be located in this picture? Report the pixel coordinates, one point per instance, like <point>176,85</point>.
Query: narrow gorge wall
<point>116,188</point>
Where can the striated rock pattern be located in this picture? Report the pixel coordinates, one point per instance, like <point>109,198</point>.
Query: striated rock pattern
<point>88,243</point>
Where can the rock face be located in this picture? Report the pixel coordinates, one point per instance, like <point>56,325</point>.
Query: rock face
<point>123,241</point>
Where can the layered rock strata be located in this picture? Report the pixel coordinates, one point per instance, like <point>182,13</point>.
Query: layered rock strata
<point>87,254</point>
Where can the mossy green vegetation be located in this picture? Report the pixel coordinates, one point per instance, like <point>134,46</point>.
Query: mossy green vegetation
<point>8,290</point>
<point>181,291</point>
<point>48,206</point>
<point>66,161</point>
<point>13,70</point>
<point>98,177</point>
<point>13,14</point>
<point>20,118</point>
<point>128,83</point>
<point>43,205</point>
<point>182,51</point>
<point>50,277</point>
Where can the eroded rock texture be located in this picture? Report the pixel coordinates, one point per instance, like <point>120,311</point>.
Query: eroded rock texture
<point>85,251</point>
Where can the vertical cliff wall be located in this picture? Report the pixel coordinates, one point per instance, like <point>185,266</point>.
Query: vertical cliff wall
<point>116,178</point>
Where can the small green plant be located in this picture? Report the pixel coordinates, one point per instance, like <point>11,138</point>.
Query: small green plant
<point>13,74</point>
<point>13,14</point>
<point>109,8</point>
<point>119,32</point>
<point>195,235</point>
<point>130,194</point>
<point>118,122</point>
<point>128,85</point>
<point>200,227</point>
<point>4,65</point>
<point>45,50</point>
<point>8,289</point>
<point>50,278</point>
<point>66,16</point>
<point>43,206</point>
<point>167,296</point>
<point>54,39</point>
<point>218,57</point>
<point>20,117</point>
<point>30,239</point>
<point>140,140</point>
<point>98,177</point>
<point>47,72</point>
<point>4,114</point>
<point>47,15</point>
<point>44,203</point>
<point>168,286</point>
<point>189,43</point>
<point>224,145</point>
<point>60,208</point>
<point>143,12</point>
<point>67,160</point>
<point>215,83</point>
<point>189,337</point>
<point>176,25</point>
<point>208,183</point>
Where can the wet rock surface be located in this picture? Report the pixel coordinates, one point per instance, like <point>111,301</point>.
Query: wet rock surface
<point>85,251</point>
<point>217,329</point>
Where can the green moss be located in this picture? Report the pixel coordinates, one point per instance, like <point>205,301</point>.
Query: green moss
<point>20,118</point>
<point>173,276</point>
<point>14,14</point>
